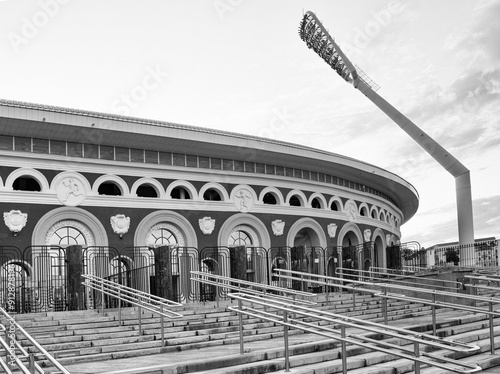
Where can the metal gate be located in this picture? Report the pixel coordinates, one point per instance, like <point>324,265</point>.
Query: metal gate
<point>279,258</point>
<point>213,260</point>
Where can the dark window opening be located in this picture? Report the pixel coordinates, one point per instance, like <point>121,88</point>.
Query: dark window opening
<point>26,184</point>
<point>146,190</point>
<point>295,201</point>
<point>211,195</point>
<point>180,193</point>
<point>334,206</point>
<point>315,204</point>
<point>109,189</point>
<point>270,199</point>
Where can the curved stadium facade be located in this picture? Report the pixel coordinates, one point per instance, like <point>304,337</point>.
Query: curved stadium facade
<point>86,192</point>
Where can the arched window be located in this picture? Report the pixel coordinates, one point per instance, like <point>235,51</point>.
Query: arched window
<point>161,236</point>
<point>67,235</point>
<point>335,206</point>
<point>315,204</point>
<point>363,212</point>
<point>109,188</point>
<point>146,190</point>
<point>180,193</point>
<point>294,201</point>
<point>26,184</point>
<point>211,195</point>
<point>269,199</point>
<point>239,238</point>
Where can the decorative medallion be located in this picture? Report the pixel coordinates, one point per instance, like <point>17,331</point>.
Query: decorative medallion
<point>71,191</point>
<point>388,238</point>
<point>367,235</point>
<point>207,225</point>
<point>332,230</point>
<point>278,226</point>
<point>351,211</point>
<point>243,199</point>
<point>15,220</point>
<point>120,224</point>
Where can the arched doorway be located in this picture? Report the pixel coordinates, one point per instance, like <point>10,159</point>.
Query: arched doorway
<point>308,241</point>
<point>351,250</point>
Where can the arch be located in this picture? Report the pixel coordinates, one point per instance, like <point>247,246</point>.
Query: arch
<point>349,227</point>
<point>320,198</point>
<point>307,223</point>
<point>244,219</point>
<point>165,216</point>
<point>21,172</point>
<point>250,233</point>
<point>299,194</point>
<point>381,216</point>
<point>25,265</point>
<point>363,210</point>
<point>48,221</point>
<point>217,187</point>
<point>122,185</point>
<point>182,183</point>
<point>273,191</point>
<point>374,212</point>
<point>160,191</point>
<point>336,202</point>
<point>380,255</point>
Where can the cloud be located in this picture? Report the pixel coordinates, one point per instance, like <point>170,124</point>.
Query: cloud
<point>486,222</point>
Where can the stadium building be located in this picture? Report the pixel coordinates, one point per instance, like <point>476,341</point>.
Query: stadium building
<point>144,202</point>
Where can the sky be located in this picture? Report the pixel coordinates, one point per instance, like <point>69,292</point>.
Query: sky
<point>240,66</point>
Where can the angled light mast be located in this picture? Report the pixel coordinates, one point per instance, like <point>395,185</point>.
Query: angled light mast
<point>317,38</point>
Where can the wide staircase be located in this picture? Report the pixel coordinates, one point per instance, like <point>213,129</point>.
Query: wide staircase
<point>207,339</point>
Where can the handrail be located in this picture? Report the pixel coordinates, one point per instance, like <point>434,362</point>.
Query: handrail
<point>288,319</point>
<point>135,297</point>
<point>130,295</point>
<point>385,295</point>
<point>393,277</point>
<point>251,287</point>
<point>7,347</point>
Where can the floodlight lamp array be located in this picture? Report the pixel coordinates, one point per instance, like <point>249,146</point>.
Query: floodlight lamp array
<point>312,32</point>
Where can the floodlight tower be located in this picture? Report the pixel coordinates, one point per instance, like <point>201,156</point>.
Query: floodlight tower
<point>317,38</point>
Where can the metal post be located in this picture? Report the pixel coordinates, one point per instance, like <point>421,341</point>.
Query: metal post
<point>162,326</point>
<point>385,307</point>
<point>353,300</point>
<point>140,320</point>
<point>119,306</point>
<point>102,298</point>
<point>240,315</point>
<point>492,333</point>
<point>344,350</point>
<point>434,314</point>
<point>327,291</point>
<point>217,291</point>
<point>287,354</point>
<point>416,350</point>
<point>31,363</point>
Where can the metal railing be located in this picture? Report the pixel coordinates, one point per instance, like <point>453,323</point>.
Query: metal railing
<point>17,359</point>
<point>259,289</point>
<point>381,290</point>
<point>289,319</point>
<point>403,279</point>
<point>142,300</point>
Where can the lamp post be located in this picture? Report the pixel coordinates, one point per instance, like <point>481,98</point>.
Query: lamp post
<point>317,38</point>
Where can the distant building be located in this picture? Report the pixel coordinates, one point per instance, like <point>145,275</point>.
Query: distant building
<point>484,253</point>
